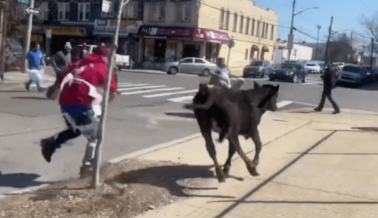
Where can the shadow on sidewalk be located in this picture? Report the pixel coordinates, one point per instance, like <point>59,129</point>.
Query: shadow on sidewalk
<point>19,180</point>
<point>30,98</point>
<point>173,178</point>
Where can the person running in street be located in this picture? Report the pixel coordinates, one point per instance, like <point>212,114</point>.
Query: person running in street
<point>329,83</point>
<point>35,61</point>
<point>80,105</point>
<point>61,59</point>
<point>221,76</point>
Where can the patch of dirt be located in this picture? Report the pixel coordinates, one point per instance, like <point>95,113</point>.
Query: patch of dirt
<point>131,187</point>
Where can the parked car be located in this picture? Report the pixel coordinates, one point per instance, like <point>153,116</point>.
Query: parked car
<point>355,74</point>
<point>14,55</point>
<point>289,71</point>
<point>189,65</point>
<point>313,68</point>
<point>257,68</point>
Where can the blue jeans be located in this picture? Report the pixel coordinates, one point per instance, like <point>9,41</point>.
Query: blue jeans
<point>80,120</point>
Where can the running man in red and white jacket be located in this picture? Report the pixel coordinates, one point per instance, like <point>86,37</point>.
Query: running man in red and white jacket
<point>80,104</point>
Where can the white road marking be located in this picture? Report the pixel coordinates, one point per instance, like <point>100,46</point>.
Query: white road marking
<point>141,87</point>
<point>131,85</point>
<point>153,90</point>
<point>283,103</point>
<point>170,93</point>
<point>181,99</point>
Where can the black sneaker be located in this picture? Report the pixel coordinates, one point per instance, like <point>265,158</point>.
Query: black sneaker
<point>27,86</point>
<point>336,112</point>
<point>317,110</point>
<point>46,150</point>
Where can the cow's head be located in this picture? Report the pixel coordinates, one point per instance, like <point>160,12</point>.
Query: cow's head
<point>269,96</point>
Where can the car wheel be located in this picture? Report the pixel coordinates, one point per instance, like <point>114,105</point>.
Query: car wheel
<point>295,78</point>
<point>172,71</point>
<point>304,80</point>
<point>205,72</point>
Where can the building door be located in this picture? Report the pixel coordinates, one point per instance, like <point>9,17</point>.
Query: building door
<point>191,51</point>
<point>160,48</point>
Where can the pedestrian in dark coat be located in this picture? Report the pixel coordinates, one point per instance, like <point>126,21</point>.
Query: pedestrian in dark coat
<point>329,83</point>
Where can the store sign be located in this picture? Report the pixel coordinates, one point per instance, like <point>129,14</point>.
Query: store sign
<point>68,31</point>
<point>126,26</point>
<point>199,34</point>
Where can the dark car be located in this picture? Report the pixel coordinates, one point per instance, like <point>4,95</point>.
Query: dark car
<point>257,69</point>
<point>14,54</point>
<point>356,75</point>
<point>289,71</point>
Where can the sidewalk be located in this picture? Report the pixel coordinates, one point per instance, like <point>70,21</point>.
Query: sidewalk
<point>312,165</point>
<point>15,80</point>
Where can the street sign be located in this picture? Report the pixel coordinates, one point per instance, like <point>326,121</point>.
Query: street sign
<point>31,10</point>
<point>231,43</point>
<point>25,2</point>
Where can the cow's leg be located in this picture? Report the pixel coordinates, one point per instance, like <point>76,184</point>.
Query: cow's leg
<point>258,145</point>
<point>213,154</point>
<point>233,138</point>
<point>227,164</point>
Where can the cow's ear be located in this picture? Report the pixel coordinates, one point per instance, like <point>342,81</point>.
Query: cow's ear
<point>256,85</point>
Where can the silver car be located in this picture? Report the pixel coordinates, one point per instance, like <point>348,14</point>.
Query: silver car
<point>189,65</point>
<point>355,74</point>
<point>257,68</point>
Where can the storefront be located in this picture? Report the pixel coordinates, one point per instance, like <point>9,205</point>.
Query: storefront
<point>74,35</point>
<point>128,41</point>
<point>166,44</point>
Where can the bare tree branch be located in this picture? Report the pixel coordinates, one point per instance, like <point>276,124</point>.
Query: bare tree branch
<point>371,25</point>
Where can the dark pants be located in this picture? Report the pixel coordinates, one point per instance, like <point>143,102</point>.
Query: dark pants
<point>330,99</point>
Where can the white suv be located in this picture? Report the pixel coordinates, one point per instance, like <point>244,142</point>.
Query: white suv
<point>313,68</point>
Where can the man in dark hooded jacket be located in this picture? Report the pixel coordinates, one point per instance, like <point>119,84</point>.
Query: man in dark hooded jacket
<point>329,82</point>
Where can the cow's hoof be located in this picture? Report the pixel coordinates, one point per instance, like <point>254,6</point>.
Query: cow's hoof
<point>253,171</point>
<point>226,170</point>
<point>220,176</point>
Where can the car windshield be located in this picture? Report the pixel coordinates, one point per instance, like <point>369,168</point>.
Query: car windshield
<point>288,66</point>
<point>15,46</point>
<point>257,64</point>
<point>352,69</point>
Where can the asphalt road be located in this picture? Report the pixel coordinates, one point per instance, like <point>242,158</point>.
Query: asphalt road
<point>137,120</point>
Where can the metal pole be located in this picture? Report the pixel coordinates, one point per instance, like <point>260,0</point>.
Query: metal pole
<point>28,32</point>
<point>104,105</point>
<point>371,55</point>
<point>1,41</point>
<point>317,42</point>
<point>228,58</point>
<point>290,39</point>
<point>329,38</point>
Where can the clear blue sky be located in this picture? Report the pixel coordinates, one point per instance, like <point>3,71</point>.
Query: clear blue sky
<point>346,16</point>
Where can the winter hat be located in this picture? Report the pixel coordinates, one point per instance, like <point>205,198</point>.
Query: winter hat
<point>67,45</point>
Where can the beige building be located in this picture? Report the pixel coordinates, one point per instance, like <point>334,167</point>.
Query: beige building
<point>174,29</point>
<point>254,30</point>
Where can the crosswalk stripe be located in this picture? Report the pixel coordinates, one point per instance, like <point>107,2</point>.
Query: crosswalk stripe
<point>181,99</point>
<point>123,83</point>
<point>169,93</point>
<point>153,90</point>
<point>141,87</point>
<point>131,85</point>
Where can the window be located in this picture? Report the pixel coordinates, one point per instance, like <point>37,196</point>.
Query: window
<point>272,32</point>
<point>183,13</point>
<point>130,10</point>
<point>266,30</point>
<point>221,19</point>
<point>235,22</point>
<point>241,24</point>
<point>247,26</point>
<point>157,12</point>
<point>246,54</point>
<point>63,11</point>
<point>253,27</point>
<point>110,14</point>
<point>258,29</point>
<point>227,20</point>
<point>84,11</point>
<point>199,61</point>
<point>189,60</point>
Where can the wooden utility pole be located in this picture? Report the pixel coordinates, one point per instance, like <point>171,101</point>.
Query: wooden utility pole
<point>105,101</point>
<point>28,33</point>
<point>290,40</point>
<point>329,38</point>
<point>372,51</point>
<point>3,35</point>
